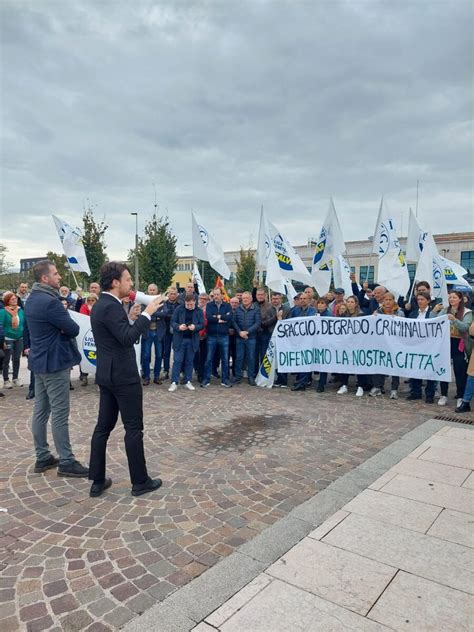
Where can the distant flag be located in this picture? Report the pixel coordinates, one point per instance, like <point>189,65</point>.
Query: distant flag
<point>430,268</point>
<point>392,268</point>
<point>330,245</point>
<point>415,239</point>
<point>71,240</point>
<point>206,248</point>
<point>198,279</point>
<point>276,255</point>
<point>342,275</point>
<point>220,284</point>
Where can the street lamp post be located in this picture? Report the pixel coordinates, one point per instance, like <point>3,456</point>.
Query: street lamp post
<point>136,280</point>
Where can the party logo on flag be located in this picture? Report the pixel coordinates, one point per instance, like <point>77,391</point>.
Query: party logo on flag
<point>204,235</point>
<point>89,348</point>
<point>320,247</point>
<point>437,276</point>
<point>284,260</point>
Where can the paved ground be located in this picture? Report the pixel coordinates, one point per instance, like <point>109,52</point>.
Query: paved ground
<point>233,462</point>
<point>398,556</point>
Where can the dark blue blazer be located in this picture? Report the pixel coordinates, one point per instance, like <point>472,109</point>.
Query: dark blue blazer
<point>179,318</point>
<point>52,334</point>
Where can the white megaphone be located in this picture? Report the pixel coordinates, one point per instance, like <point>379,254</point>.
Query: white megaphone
<point>144,299</point>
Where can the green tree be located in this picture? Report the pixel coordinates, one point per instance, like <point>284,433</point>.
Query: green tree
<point>93,238</point>
<point>4,264</point>
<point>208,275</point>
<point>157,255</point>
<point>245,269</point>
<point>60,261</point>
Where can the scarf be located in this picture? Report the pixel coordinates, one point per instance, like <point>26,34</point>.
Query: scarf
<point>13,311</point>
<point>42,287</point>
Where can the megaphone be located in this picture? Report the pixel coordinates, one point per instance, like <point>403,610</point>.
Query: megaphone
<point>144,299</point>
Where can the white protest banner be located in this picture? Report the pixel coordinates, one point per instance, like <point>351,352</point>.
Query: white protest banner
<point>86,344</point>
<point>386,345</point>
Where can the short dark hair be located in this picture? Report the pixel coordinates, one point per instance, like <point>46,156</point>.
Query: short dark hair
<point>190,297</point>
<point>322,299</point>
<point>425,283</point>
<point>109,272</point>
<point>238,290</point>
<point>426,295</point>
<point>41,268</point>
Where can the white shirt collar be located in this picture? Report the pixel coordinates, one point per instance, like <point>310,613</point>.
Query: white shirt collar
<point>115,297</point>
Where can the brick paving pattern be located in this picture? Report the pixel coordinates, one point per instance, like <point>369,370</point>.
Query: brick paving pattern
<point>233,462</point>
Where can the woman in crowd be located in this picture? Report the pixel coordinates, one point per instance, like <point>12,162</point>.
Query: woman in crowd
<point>322,309</point>
<point>13,320</point>
<point>460,319</point>
<point>86,307</point>
<point>389,307</point>
<point>351,309</point>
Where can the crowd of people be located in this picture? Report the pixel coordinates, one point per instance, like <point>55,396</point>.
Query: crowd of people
<point>182,335</point>
<point>211,337</point>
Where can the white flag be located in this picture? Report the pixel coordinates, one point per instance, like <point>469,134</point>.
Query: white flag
<point>71,239</point>
<point>342,275</point>
<point>415,239</point>
<point>198,279</point>
<point>206,248</point>
<point>276,254</point>
<point>430,268</point>
<point>330,245</point>
<point>454,273</point>
<point>393,269</point>
<point>266,372</point>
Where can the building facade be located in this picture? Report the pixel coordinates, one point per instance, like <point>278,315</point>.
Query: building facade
<point>458,247</point>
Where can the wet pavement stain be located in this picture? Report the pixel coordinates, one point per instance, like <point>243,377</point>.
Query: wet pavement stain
<point>242,432</point>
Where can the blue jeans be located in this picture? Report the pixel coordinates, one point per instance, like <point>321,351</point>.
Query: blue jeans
<point>147,343</point>
<point>469,390</point>
<point>415,387</point>
<point>52,397</point>
<point>214,343</point>
<point>184,355</point>
<point>245,349</point>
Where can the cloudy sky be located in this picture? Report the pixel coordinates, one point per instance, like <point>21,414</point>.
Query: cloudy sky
<point>225,106</point>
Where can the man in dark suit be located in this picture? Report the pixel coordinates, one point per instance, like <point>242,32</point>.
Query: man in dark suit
<point>118,379</point>
<point>423,311</point>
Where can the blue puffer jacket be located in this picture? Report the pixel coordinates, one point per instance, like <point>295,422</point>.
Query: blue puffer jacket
<point>225,312</point>
<point>52,333</point>
<point>247,320</point>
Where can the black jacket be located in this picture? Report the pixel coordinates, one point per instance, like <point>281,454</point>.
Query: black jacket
<point>179,318</point>
<point>115,339</point>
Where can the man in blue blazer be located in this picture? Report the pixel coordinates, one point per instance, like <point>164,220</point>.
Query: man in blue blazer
<point>52,354</point>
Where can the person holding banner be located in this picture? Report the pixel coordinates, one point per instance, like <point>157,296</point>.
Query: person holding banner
<point>389,307</point>
<point>303,309</point>
<point>118,379</point>
<point>460,319</point>
<point>351,309</point>
<point>423,311</point>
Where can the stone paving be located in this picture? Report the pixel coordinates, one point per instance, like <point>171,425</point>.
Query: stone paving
<point>398,556</point>
<point>233,462</point>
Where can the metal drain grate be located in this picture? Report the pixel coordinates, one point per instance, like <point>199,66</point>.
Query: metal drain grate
<point>458,420</point>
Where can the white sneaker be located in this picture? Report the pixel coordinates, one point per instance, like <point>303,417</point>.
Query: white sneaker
<point>173,387</point>
<point>393,395</point>
<point>17,382</point>
<point>375,391</point>
<point>7,384</point>
<point>443,400</point>
<point>189,386</point>
<point>459,402</point>
<point>342,390</point>
<point>360,391</point>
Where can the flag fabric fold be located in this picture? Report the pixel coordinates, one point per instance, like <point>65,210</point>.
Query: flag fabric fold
<point>330,245</point>
<point>430,268</point>
<point>71,240</point>
<point>206,248</point>
<point>198,279</point>
<point>392,268</point>
<point>415,239</point>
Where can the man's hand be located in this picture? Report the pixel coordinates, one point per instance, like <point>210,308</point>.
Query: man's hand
<point>182,327</point>
<point>352,277</point>
<point>244,334</point>
<point>437,308</point>
<point>365,285</point>
<point>154,305</point>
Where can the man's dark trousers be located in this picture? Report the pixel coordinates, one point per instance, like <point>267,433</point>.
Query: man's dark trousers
<point>126,399</point>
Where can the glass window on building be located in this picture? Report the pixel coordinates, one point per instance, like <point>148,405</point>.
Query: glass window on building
<point>411,270</point>
<point>363,276</point>
<point>467,260</point>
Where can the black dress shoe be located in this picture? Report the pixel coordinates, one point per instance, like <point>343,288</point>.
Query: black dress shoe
<point>150,486</point>
<point>320,389</point>
<point>298,387</point>
<point>98,488</point>
<point>412,396</point>
<point>47,464</point>
<point>429,400</point>
<point>31,394</point>
<point>74,470</point>
<point>465,407</point>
